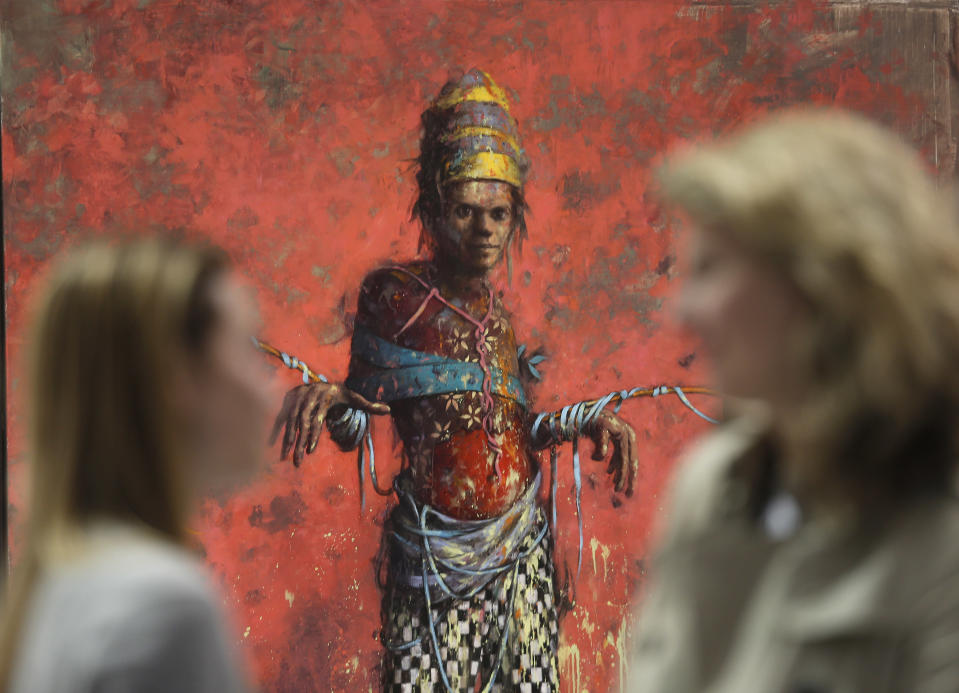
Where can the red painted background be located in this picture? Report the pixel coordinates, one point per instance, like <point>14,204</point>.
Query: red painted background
<point>284,131</point>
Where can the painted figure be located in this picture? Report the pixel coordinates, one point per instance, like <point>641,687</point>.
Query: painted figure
<point>469,594</point>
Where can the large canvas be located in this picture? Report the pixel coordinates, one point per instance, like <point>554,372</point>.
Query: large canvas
<point>286,132</point>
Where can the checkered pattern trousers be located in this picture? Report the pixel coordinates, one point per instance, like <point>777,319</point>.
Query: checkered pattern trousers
<point>470,633</point>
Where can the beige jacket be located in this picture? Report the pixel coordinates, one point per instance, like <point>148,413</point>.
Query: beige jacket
<point>834,609</point>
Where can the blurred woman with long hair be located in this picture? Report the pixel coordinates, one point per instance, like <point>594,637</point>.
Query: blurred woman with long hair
<point>145,393</point>
<point>812,541</point>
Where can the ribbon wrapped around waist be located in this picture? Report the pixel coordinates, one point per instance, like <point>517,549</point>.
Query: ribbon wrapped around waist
<point>459,557</point>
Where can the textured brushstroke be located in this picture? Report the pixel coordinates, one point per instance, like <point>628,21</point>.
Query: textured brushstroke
<point>283,130</point>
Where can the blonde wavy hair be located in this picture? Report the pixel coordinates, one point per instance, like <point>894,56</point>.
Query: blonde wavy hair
<point>846,212</point>
<point>103,443</point>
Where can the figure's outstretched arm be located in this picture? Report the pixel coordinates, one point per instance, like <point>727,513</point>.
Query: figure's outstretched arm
<point>603,428</point>
<point>591,418</point>
<point>307,407</point>
<point>345,412</point>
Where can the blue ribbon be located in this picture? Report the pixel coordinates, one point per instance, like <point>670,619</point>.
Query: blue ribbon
<point>531,363</point>
<point>448,377</point>
<point>408,373</point>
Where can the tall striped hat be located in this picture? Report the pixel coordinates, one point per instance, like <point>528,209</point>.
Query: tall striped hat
<point>480,136</point>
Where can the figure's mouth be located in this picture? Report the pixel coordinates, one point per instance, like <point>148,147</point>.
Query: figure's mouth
<point>483,246</point>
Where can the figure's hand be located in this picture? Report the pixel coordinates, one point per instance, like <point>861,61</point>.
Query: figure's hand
<point>304,410</point>
<point>624,463</point>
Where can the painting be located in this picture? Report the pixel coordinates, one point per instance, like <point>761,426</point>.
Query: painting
<point>448,214</point>
<point>471,597</point>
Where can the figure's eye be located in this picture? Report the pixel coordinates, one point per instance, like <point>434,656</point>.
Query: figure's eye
<point>501,213</point>
<point>463,211</point>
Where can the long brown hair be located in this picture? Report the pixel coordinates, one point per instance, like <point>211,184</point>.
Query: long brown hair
<point>102,441</point>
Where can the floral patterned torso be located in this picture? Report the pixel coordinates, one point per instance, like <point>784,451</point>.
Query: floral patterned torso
<point>452,463</point>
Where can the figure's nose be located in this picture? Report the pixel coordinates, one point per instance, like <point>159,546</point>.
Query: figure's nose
<point>483,225</point>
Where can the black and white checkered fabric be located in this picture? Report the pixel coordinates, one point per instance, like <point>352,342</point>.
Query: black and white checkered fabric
<point>469,634</point>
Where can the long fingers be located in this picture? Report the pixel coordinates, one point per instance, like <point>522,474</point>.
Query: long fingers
<point>305,419</point>
<point>632,461</point>
<point>601,444</point>
<point>315,427</point>
<point>620,450</point>
<point>316,419</point>
<point>626,461</point>
<point>281,418</point>
<point>303,414</point>
<point>297,397</point>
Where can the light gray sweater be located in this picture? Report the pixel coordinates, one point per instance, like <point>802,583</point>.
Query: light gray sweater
<point>133,615</point>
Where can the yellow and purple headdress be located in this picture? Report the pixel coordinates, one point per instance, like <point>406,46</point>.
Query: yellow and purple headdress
<point>468,134</point>
<point>479,135</point>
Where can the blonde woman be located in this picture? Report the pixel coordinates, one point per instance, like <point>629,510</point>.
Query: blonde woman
<point>146,393</point>
<point>812,542</point>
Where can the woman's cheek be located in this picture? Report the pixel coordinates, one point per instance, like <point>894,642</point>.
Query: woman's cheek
<point>698,305</point>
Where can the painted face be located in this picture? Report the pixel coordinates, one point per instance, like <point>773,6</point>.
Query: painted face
<point>478,219</point>
<point>746,315</point>
<point>231,394</point>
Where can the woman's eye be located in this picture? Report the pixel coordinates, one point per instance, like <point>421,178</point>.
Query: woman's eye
<point>500,214</point>
<point>462,211</point>
<point>703,264</point>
